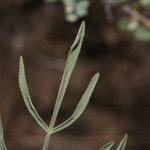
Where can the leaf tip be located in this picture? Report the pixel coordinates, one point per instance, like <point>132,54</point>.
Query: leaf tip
<point>107,146</point>
<point>20,61</point>
<point>21,72</point>
<point>83,24</point>
<point>123,143</point>
<point>82,28</point>
<point>125,137</point>
<point>96,76</point>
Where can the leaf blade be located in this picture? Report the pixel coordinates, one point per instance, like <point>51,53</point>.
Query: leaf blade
<point>70,64</point>
<point>122,144</point>
<point>27,99</point>
<point>81,105</point>
<point>107,146</point>
<point>2,141</point>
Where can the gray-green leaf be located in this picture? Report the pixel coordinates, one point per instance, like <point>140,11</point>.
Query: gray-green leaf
<point>70,63</point>
<point>107,146</point>
<point>27,98</point>
<point>2,141</point>
<point>123,143</point>
<point>81,105</point>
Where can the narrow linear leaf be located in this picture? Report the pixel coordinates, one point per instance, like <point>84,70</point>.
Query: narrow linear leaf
<point>81,105</point>
<point>26,97</point>
<point>2,141</point>
<point>107,146</point>
<point>70,63</point>
<point>123,143</point>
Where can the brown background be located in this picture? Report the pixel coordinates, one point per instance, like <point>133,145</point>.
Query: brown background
<point>121,101</point>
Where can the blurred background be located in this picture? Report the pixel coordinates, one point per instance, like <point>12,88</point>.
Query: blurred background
<point>116,44</point>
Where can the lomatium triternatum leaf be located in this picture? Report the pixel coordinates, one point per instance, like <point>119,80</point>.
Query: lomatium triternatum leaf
<point>27,98</point>
<point>2,141</point>
<point>123,143</point>
<point>81,105</point>
<point>70,64</point>
<point>107,146</point>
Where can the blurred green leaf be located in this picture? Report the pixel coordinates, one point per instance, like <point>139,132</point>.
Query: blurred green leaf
<point>82,8</point>
<point>74,9</point>
<point>69,7</point>
<point>126,24</point>
<point>142,33</point>
<point>133,25</point>
<point>144,2</point>
<point>123,23</point>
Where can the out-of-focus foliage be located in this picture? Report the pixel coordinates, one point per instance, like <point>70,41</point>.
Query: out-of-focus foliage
<point>135,18</point>
<point>145,2</point>
<point>74,9</point>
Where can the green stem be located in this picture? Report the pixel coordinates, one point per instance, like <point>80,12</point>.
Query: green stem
<point>54,115</point>
<point>70,64</point>
<point>46,142</point>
